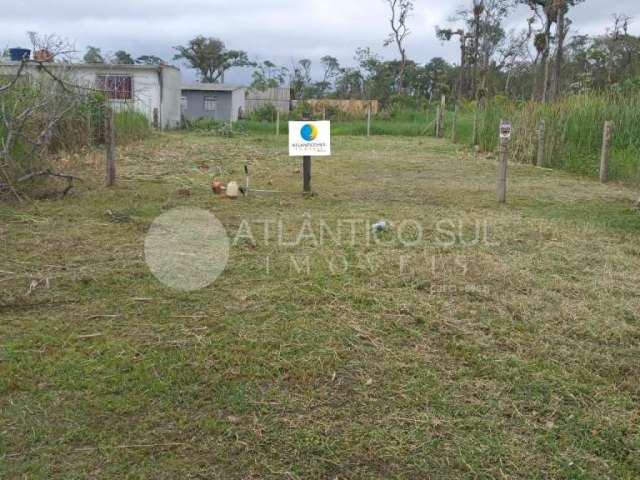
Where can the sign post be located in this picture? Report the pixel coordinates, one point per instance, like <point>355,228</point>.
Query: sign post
<point>306,174</point>
<point>309,139</point>
<point>505,138</point>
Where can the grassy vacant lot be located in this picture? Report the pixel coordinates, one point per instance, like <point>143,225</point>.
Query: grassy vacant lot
<point>514,357</point>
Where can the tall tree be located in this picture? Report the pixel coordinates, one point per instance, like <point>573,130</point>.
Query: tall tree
<point>445,34</point>
<point>268,75</point>
<point>210,57</point>
<point>492,39</point>
<point>484,21</point>
<point>149,60</point>
<point>331,68</point>
<point>614,41</point>
<point>122,58</point>
<point>478,10</point>
<point>350,84</point>
<point>552,12</point>
<point>93,55</point>
<point>300,79</point>
<point>400,10</point>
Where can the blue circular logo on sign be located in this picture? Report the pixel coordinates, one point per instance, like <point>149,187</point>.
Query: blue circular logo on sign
<point>309,132</point>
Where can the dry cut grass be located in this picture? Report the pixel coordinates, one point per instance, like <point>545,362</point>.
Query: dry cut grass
<point>448,357</point>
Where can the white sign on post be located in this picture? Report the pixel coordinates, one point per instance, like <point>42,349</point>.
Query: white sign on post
<point>309,139</point>
<point>505,131</point>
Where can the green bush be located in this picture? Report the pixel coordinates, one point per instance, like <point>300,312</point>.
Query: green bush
<point>211,126</point>
<point>265,113</point>
<point>302,110</point>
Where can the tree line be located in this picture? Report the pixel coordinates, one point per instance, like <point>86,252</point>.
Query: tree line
<point>540,60</point>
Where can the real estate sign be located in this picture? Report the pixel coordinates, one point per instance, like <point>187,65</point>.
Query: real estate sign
<point>309,139</point>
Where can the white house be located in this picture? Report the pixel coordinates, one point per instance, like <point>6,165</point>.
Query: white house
<point>145,88</point>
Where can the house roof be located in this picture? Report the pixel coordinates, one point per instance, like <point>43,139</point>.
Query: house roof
<point>92,66</point>
<point>211,87</point>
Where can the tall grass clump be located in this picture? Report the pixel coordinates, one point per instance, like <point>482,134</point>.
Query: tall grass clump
<point>131,126</point>
<point>574,128</point>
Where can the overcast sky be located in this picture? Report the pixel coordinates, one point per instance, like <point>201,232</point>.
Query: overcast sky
<point>278,30</point>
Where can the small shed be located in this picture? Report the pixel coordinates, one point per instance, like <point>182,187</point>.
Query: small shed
<point>213,100</point>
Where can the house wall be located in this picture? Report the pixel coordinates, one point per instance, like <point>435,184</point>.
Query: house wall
<point>152,87</point>
<point>170,109</point>
<point>239,103</point>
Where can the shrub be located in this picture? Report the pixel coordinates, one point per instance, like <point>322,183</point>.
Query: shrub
<point>44,116</point>
<point>211,126</point>
<point>302,109</point>
<point>265,113</point>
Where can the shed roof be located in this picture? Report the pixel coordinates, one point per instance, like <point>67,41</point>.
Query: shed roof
<point>211,87</point>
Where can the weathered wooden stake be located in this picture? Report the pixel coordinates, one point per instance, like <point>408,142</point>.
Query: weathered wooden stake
<point>443,113</point>
<point>278,122</point>
<point>454,125</point>
<point>475,128</point>
<point>156,119</point>
<point>541,144</point>
<point>606,145</point>
<point>324,113</point>
<point>306,170</point>
<point>502,168</point>
<point>438,118</point>
<point>306,174</point>
<point>110,142</point>
<point>369,121</point>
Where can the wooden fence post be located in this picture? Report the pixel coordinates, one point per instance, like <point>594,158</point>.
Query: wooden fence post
<point>440,117</point>
<point>278,123</point>
<point>541,144</point>
<point>156,119</point>
<point>606,145</point>
<point>443,112</point>
<point>504,161</point>
<point>426,118</point>
<point>475,128</point>
<point>306,170</point>
<point>306,175</point>
<point>110,142</point>
<point>454,125</point>
<point>369,121</point>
